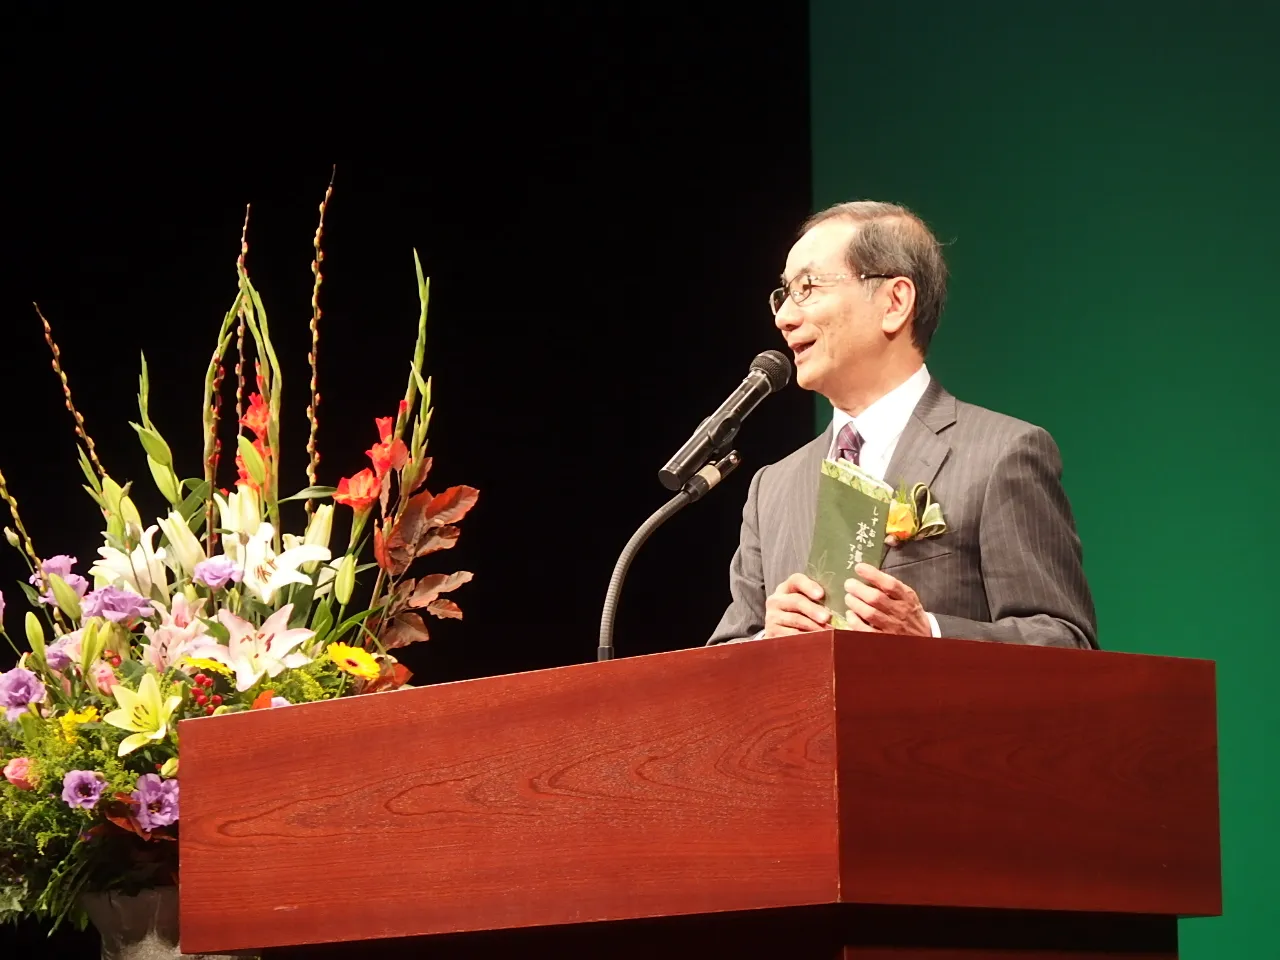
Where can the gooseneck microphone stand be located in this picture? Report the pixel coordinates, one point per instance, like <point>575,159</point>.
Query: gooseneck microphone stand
<point>699,485</point>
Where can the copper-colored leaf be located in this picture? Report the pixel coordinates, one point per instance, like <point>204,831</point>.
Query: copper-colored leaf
<point>395,555</point>
<point>385,496</point>
<point>404,629</point>
<point>380,549</point>
<point>424,514</point>
<point>441,538</point>
<point>402,597</point>
<point>432,586</point>
<point>393,677</point>
<point>127,824</point>
<point>120,812</point>
<point>421,477</point>
<point>412,525</point>
<point>400,675</point>
<point>451,506</point>
<point>444,609</point>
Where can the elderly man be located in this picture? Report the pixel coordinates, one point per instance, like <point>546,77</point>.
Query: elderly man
<point>863,291</point>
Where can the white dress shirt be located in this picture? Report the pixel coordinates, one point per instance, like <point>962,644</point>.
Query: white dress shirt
<point>881,426</point>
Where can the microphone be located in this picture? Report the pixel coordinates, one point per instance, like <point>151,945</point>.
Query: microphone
<point>770,372</point>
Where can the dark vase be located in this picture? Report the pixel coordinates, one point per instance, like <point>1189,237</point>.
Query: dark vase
<point>140,927</point>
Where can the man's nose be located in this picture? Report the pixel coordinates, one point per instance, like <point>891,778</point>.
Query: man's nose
<point>788,316</point>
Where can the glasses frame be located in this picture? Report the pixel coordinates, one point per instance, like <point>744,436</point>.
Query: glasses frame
<point>777,296</point>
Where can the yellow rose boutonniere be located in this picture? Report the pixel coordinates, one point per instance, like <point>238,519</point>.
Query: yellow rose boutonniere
<point>914,516</point>
<point>901,524</point>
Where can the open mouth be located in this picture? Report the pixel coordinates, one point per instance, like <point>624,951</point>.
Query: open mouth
<point>800,349</point>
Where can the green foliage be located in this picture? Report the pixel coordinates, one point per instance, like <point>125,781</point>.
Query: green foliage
<point>318,680</point>
<point>44,862</point>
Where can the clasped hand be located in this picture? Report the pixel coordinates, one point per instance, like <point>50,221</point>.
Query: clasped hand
<point>883,604</point>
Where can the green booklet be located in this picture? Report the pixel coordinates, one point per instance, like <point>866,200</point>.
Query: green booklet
<point>849,528</point>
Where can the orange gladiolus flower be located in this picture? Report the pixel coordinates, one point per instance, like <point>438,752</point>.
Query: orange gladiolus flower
<point>389,454</point>
<point>359,492</point>
<point>257,417</point>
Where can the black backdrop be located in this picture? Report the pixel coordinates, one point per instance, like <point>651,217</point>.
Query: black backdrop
<point>601,199</point>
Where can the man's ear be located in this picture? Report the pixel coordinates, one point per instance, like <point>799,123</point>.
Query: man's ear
<point>900,299</point>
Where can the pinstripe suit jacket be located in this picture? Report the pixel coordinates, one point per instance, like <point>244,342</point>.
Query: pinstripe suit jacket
<point>1009,567</point>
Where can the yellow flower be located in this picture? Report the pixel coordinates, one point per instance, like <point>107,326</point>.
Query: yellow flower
<point>209,666</point>
<point>72,720</point>
<point>355,661</point>
<point>147,712</point>
<point>902,521</point>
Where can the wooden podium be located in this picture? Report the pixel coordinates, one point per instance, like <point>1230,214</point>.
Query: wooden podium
<point>829,795</point>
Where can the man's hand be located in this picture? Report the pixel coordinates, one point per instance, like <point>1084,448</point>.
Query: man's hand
<point>795,607</point>
<point>883,604</point>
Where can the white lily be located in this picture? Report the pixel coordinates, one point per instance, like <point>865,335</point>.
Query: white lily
<point>319,530</point>
<point>181,634</point>
<point>321,526</point>
<point>138,571</point>
<point>264,650</point>
<point>184,550</point>
<point>241,514</point>
<point>265,572</point>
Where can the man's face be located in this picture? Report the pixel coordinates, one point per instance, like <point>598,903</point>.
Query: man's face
<point>835,333</point>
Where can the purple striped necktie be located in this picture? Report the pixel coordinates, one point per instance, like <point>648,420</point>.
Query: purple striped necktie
<point>849,443</point>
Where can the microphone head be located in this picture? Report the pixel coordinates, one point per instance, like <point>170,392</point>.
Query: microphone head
<point>776,368</point>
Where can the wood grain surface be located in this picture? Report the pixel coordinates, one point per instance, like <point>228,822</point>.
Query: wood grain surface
<point>689,782</point>
<point>767,779</point>
<point>989,775</point>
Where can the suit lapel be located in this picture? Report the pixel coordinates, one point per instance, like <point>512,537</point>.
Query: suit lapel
<point>921,451</point>
<point>799,531</point>
<point>917,459</point>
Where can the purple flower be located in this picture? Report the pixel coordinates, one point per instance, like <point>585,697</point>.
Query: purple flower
<point>18,688</point>
<point>59,654</point>
<point>61,566</point>
<point>116,605</point>
<point>216,572</point>
<point>1,609</point>
<point>157,801</point>
<point>280,702</point>
<point>82,788</point>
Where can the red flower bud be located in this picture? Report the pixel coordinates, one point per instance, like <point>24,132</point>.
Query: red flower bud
<point>216,700</point>
<point>209,710</point>
<point>200,678</point>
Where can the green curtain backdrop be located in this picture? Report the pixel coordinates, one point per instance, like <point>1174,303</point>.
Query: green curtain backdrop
<point>1106,182</point>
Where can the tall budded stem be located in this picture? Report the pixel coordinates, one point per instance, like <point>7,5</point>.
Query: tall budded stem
<point>313,408</point>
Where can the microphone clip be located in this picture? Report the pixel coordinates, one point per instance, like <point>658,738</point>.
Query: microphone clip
<point>706,479</point>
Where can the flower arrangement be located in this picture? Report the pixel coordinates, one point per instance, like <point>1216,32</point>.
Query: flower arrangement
<point>213,609</point>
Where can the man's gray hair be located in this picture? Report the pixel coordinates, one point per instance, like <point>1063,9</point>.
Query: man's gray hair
<point>892,240</point>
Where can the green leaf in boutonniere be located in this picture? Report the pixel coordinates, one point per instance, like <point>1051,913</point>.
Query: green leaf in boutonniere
<point>914,516</point>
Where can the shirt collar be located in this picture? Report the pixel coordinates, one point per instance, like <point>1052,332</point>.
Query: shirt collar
<point>884,420</point>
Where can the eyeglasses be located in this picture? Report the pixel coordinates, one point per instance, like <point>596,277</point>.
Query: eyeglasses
<point>799,288</point>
